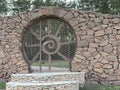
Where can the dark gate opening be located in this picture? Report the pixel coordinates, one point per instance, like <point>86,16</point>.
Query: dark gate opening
<point>49,45</point>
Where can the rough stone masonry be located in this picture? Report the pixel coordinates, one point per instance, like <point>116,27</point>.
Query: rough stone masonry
<point>98,42</point>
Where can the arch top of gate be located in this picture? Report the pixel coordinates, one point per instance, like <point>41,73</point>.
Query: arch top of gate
<point>66,15</point>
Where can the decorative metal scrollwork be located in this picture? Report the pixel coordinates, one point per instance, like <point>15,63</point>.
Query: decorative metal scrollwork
<point>48,38</point>
<point>51,45</point>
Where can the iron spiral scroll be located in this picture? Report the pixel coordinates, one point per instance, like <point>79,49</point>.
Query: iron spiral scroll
<point>49,39</point>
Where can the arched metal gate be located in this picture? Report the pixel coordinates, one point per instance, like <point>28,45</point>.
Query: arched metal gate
<point>49,40</point>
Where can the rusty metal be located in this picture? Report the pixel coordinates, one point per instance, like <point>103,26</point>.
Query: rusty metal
<point>47,37</point>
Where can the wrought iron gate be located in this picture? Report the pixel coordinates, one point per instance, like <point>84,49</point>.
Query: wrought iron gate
<point>49,40</point>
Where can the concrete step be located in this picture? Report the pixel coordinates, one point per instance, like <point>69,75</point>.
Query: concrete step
<point>49,77</point>
<point>56,85</point>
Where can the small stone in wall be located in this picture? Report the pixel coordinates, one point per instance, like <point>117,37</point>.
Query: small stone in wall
<point>104,43</point>
<point>91,24</point>
<point>104,26</point>
<point>104,75</point>
<point>109,30</point>
<point>117,27</point>
<point>0,22</point>
<point>81,20</point>
<point>108,48</point>
<point>2,55</point>
<point>107,66</point>
<point>98,65</point>
<point>104,54</point>
<point>116,20</point>
<point>74,22</point>
<point>90,32</point>
<point>112,58</point>
<point>80,57</point>
<point>98,70</point>
<point>97,20</point>
<point>83,43</point>
<point>98,28</point>
<point>99,33</point>
<point>98,56</point>
<point>93,45</point>
<point>116,64</point>
<point>118,37</point>
<point>105,21</point>
<point>109,71</point>
<point>119,32</point>
<point>7,46</point>
<point>68,15</point>
<point>92,15</point>
<point>104,61</point>
<point>114,32</point>
<point>92,49</point>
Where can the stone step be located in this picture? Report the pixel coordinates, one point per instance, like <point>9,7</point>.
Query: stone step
<point>49,77</point>
<point>61,85</point>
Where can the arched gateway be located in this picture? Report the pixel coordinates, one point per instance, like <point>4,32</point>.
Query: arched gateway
<point>86,41</point>
<point>49,40</point>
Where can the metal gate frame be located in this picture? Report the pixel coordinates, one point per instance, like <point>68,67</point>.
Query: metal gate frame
<point>50,40</point>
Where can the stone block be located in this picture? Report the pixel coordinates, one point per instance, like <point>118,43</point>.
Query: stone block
<point>68,85</point>
<point>90,32</point>
<point>81,33</point>
<point>88,38</point>
<point>112,58</point>
<point>2,55</point>
<point>108,48</point>
<point>1,22</point>
<point>98,65</point>
<point>107,66</point>
<point>69,15</point>
<point>83,43</point>
<point>103,42</point>
<point>104,61</point>
<point>98,70</point>
<point>99,33</point>
<point>74,22</point>
<point>117,27</point>
<point>116,20</point>
<point>97,20</point>
<point>91,15</point>
<point>92,49</point>
<point>119,32</point>
<point>116,65</point>
<point>104,54</point>
<point>92,45</point>
<point>118,37</point>
<point>106,21</point>
<point>109,30</point>
<point>62,12</point>
<point>91,24</point>
<point>80,57</point>
<point>81,20</point>
<point>98,28</point>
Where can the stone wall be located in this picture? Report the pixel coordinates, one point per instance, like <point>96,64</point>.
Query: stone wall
<point>98,43</point>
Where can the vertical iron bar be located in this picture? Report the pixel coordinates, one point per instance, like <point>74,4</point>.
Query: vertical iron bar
<point>49,32</point>
<point>49,62</point>
<point>68,50</point>
<point>69,61</point>
<point>49,26</point>
<point>31,49</point>
<point>40,48</point>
